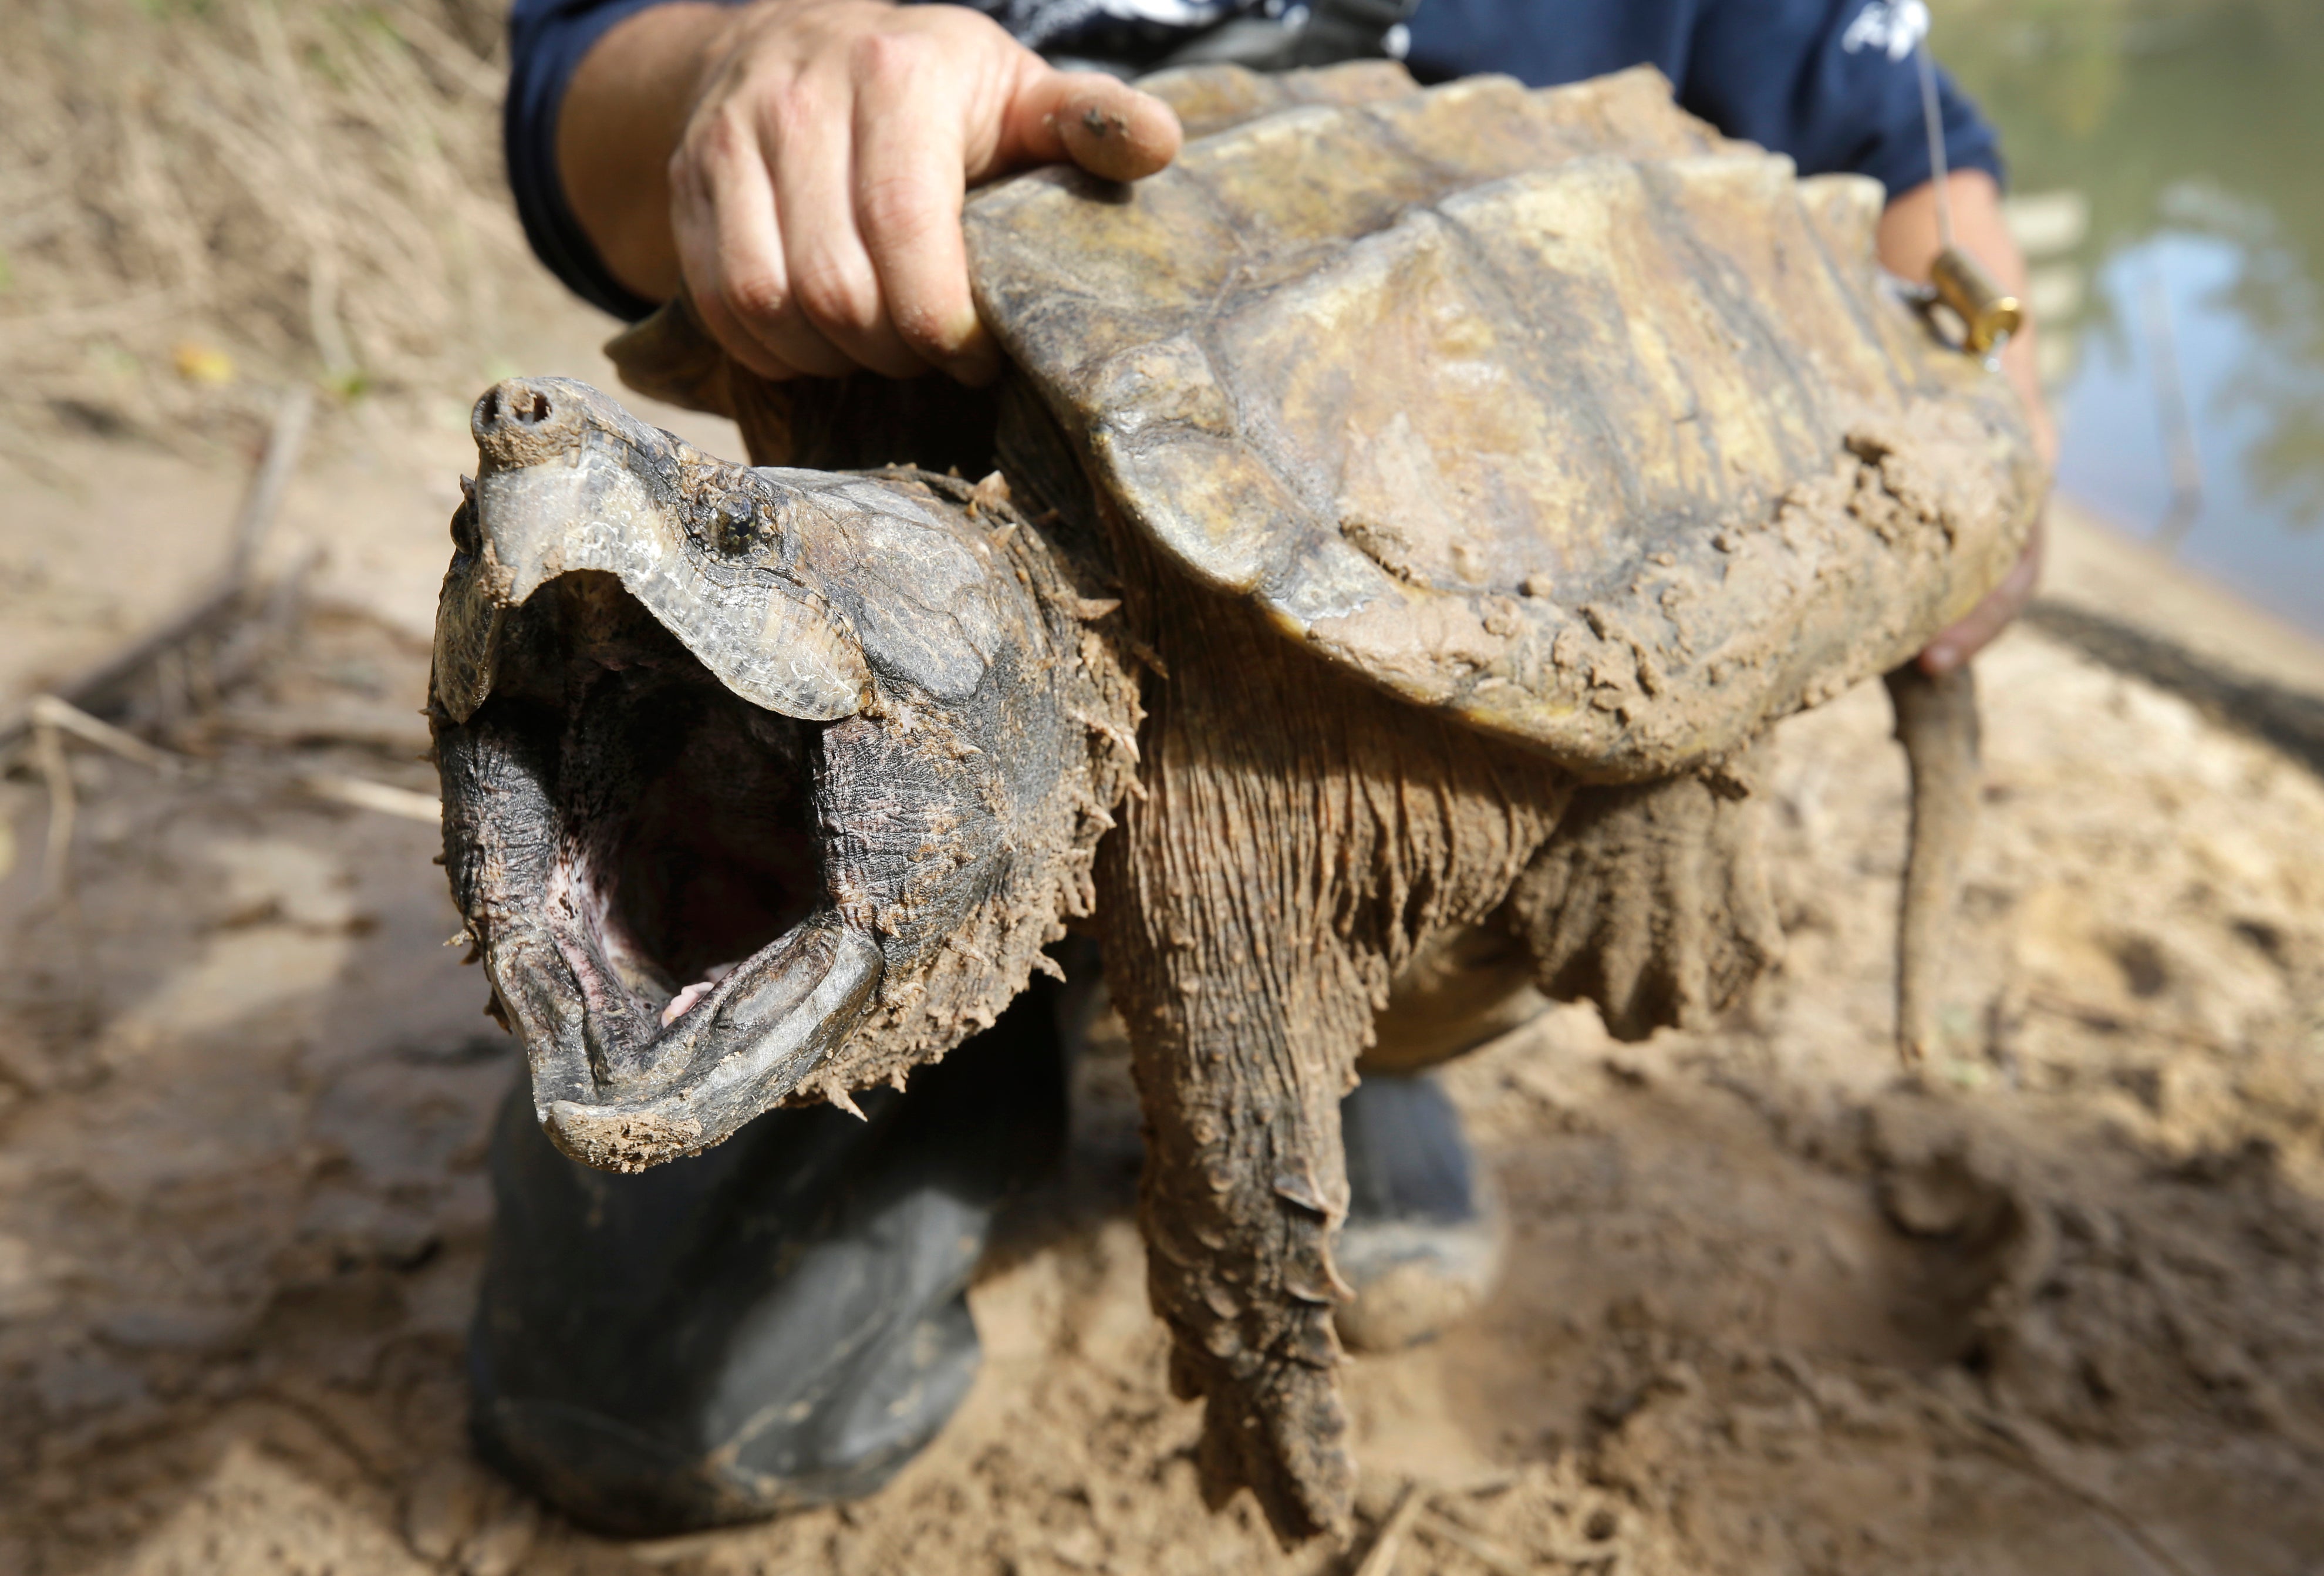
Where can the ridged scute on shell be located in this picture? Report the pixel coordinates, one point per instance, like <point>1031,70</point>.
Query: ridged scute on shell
<point>1554,410</point>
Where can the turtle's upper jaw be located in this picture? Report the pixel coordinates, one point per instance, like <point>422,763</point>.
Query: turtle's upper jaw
<point>567,480</point>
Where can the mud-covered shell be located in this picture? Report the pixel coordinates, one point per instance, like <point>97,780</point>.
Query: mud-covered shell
<point>1554,409</point>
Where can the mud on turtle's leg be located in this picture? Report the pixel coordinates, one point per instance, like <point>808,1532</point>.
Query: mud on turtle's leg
<point>1246,1013</point>
<point>1301,836</point>
<point>1242,1055</point>
<point>1241,1079</point>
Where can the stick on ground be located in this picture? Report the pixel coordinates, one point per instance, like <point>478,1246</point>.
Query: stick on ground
<point>102,685</point>
<point>1379,1560</point>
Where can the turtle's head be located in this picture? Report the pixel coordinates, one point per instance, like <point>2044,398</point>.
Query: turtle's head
<point>753,780</point>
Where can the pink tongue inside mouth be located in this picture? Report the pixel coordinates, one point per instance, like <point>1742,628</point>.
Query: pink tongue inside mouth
<point>701,987</point>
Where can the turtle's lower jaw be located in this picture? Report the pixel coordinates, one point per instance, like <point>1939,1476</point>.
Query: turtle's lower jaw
<point>726,1052</point>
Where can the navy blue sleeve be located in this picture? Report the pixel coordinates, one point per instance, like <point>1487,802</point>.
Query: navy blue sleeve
<point>547,39</point>
<point>1818,79</point>
<point>1812,79</point>
<point>1545,43</point>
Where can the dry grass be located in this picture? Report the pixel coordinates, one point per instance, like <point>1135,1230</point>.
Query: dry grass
<point>204,201</point>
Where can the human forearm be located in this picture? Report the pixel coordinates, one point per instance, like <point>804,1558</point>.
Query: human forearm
<point>621,120</point>
<point>1911,236</point>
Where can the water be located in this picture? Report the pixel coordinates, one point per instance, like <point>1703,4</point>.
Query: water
<point>2167,166</point>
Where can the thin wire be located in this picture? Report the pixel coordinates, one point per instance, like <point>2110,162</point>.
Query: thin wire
<point>1933,115</point>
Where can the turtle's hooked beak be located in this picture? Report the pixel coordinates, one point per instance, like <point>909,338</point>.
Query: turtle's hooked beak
<point>629,733</point>
<point>567,480</point>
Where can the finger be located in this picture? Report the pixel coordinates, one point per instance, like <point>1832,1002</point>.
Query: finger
<point>747,296</point>
<point>755,267</point>
<point>834,287</point>
<point>1099,122</point>
<point>695,227</point>
<point>1957,644</point>
<point>909,179</point>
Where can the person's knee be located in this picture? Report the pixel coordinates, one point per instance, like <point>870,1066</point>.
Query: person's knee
<point>776,1322</point>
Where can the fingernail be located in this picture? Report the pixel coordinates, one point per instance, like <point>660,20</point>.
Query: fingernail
<point>1940,660</point>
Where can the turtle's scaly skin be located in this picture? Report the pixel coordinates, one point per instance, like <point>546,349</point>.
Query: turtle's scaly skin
<point>1304,837</point>
<point>1423,506</point>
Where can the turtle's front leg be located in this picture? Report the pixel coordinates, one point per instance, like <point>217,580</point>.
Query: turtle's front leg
<point>1247,1012</point>
<point>1246,1023</point>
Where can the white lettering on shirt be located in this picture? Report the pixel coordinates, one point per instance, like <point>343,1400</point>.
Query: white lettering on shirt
<point>1894,27</point>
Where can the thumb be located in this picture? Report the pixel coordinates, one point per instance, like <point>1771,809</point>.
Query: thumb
<point>1098,121</point>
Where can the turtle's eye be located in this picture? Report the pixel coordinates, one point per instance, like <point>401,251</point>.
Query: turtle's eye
<point>734,522</point>
<point>727,524</point>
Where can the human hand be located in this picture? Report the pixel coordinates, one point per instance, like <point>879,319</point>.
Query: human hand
<point>1910,234</point>
<point>815,192</point>
<point>1960,641</point>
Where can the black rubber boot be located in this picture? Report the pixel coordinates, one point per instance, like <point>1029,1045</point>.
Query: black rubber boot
<point>779,1322</point>
<point>1423,1243</point>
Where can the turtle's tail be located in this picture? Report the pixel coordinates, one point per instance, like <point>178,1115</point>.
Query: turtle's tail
<point>1937,724</point>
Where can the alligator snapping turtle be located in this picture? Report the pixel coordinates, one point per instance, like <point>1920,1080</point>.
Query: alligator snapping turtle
<point>1412,509</point>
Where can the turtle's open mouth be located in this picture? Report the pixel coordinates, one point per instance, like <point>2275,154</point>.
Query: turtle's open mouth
<point>646,854</point>
<point>692,834</point>
<point>684,837</point>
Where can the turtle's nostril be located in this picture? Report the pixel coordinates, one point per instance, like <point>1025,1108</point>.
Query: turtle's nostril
<point>518,403</point>
<point>528,421</point>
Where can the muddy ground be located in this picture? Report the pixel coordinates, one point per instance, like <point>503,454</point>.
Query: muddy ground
<point>2056,1309</point>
